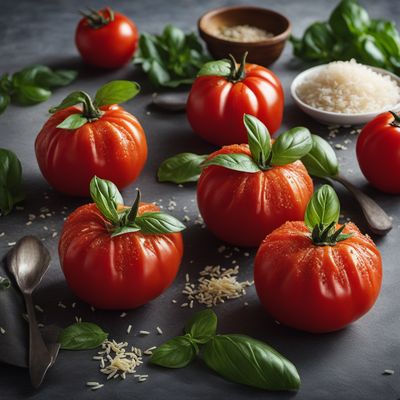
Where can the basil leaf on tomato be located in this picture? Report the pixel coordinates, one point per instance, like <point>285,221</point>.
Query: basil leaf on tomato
<point>259,140</point>
<point>121,230</point>
<point>248,361</point>
<point>216,68</point>
<point>175,353</point>
<point>235,161</point>
<point>291,146</point>
<point>321,160</point>
<point>156,223</point>
<point>82,336</point>
<point>181,168</point>
<point>74,121</point>
<point>202,326</point>
<point>116,92</point>
<point>323,208</point>
<point>71,100</point>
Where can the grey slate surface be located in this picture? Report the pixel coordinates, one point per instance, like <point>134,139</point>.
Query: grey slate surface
<point>343,365</point>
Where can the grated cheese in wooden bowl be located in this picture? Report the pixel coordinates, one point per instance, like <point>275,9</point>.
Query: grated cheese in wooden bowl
<point>242,33</point>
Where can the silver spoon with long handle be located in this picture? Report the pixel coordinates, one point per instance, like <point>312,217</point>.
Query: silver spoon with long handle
<point>28,262</point>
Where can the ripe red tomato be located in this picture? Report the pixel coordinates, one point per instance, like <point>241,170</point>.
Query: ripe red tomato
<point>317,288</point>
<point>106,39</point>
<point>216,106</point>
<point>378,152</point>
<point>242,208</point>
<point>113,147</point>
<point>119,272</point>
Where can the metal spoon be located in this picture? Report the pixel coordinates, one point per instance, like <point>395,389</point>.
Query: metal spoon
<point>28,262</point>
<point>377,220</point>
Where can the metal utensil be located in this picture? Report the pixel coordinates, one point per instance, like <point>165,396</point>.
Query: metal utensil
<point>171,101</point>
<point>377,220</point>
<point>28,262</point>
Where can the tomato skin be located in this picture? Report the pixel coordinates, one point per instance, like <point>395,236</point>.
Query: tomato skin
<point>242,208</point>
<point>317,288</point>
<point>113,147</point>
<point>378,153</point>
<point>122,272</point>
<point>215,106</point>
<point>110,46</point>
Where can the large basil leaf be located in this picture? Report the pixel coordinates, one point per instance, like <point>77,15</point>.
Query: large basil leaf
<point>175,353</point>
<point>321,160</point>
<point>216,68</point>
<point>72,99</point>
<point>116,92</point>
<point>155,223</point>
<point>181,168</point>
<point>323,208</point>
<point>51,79</point>
<point>82,336</point>
<point>259,140</point>
<point>202,326</point>
<point>291,146</point>
<point>235,161</point>
<point>248,361</point>
<point>29,94</point>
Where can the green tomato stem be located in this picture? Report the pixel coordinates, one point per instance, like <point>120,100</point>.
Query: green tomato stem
<point>396,121</point>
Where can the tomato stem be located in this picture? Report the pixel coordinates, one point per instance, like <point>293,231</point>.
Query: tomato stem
<point>90,111</point>
<point>237,74</point>
<point>396,121</point>
<point>98,19</point>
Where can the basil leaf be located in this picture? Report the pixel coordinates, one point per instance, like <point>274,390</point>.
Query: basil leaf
<point>82,336</point>
<point>74,121</point>
<point>321,160</point>
<point>124,229</point>
<point>175,353</point>
<point>181,168</point>
<point>4,101</point>
<point>291,146</point>
<point>72,99</point>
<point>234,161</point>
<point>323,208</point>
<point>107,198</point>
<point>29,94</point>
<point>248,361</point>
<point>116,92</point>
<point>173,37</point>
<point>202,326</point>
<point>158,75</point>
<point>215,68</point>
<point>259,140</point>
<point>58,78</point>
<point>28,75</point>
<point>4,283</point>
<point>155,223</point>
<point>10,181</point>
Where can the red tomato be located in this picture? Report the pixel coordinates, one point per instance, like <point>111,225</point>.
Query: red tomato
<point>113,147</point>
<point>242,208</point>
<point>121,272</point>
<point>317,288</point>
<point>215,106</point>
<point>106,44</point>
<point>378,152</point>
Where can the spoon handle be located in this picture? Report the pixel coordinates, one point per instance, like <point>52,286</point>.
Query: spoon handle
<point>39,357</point>
<point>377,219</point>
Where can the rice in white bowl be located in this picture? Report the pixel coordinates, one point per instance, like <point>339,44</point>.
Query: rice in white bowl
<point>348,87</point>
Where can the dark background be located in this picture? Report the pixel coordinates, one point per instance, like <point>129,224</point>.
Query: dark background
<point>343,365</point>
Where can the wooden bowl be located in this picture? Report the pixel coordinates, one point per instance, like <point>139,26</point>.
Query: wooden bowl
<point>263,52</point>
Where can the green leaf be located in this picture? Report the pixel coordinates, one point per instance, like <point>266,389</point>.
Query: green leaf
<point>235,161</point>
<point>321,160</point>
<point>175,353</point>
<point>202,326</point>
<point>82,336</point>
<point>51,79</point>
<point>107,198</point>
<point>157,223</point>
<point>4,101</point>
<point>215,68</point>
<point>259,140</point>
<point>173,37</point>
<point>181,168</point>
<point>74,121</point>
<point>72,99</point>
<point>248,361</point>
<point>116,92</point>
<point>323,208</point>
<point>4,283</point>
<point>291,146</point>
<point>29,94</point>
<point>121,230</point>
<point>158,74</point>
<point>27,76</point>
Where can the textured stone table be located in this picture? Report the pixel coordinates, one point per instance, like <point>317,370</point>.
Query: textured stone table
<point>343,365</point>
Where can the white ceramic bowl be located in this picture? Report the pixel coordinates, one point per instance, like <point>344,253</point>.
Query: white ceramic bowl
<point>332,118</point>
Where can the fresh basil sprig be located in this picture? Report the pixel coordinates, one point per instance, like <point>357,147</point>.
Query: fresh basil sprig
<point>238,358</point>
<point>172,58</point>
<point>122,219</point>
<point>32,85</point>
<point>82,336</point>
<point>11,191</point>
<point>181,168</point>
<point>111,93</point>
<point>322,215</point>
<point>4,283</point>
